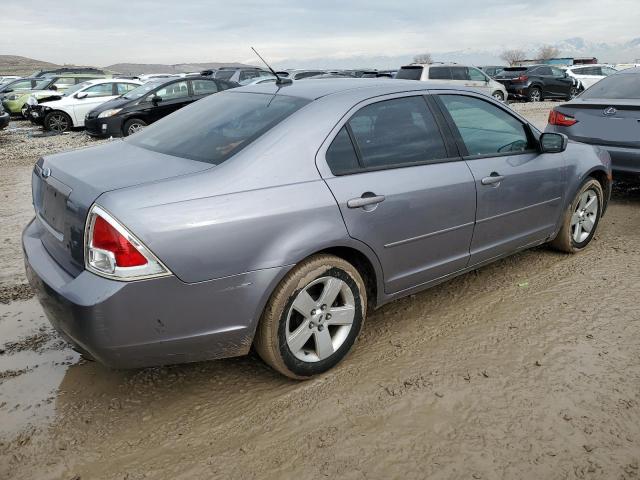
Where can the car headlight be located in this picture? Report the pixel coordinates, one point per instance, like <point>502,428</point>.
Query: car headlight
<point>109,113</point>
<point>12,97</point>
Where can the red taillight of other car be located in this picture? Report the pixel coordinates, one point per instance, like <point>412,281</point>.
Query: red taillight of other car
<point>561,119</point>
<point>112,251</point>
<point>521,78</point>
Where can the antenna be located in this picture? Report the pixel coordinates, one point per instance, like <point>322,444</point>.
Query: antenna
<point>279,81</point>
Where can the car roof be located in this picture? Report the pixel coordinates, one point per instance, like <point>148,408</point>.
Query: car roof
<point>313,89</point>
<point>629,71</point>
<point>435,64</point>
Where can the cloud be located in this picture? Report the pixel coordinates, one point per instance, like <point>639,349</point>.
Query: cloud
<point>148,31</point>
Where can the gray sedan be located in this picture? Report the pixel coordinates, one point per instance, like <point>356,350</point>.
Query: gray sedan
<point>606,114</point>
<point>278,216</point>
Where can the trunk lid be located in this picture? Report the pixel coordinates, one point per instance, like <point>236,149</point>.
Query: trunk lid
<point>64,186</point>
<point>605,122</point>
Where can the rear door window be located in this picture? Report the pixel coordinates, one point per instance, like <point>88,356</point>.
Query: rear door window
<point>341,155</point>
<point>173,91</point>
<point>397,132</point>
<point>485,128</point>
<point>440,73</point>
<point>100,90</point>
<point>459,73</point>
<point>122,88</point>
<point>204,87</point>
<point>544,71</point>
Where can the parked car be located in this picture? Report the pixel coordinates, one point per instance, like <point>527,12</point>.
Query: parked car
<point>155,76</point>
<point>453,74</point>
<point>148,103</point>
<point>258,80</point>
<point>232,74</point>
<point>68,111</point>
<point>8,78</point>
<point>21,84</point>
<point>587,75</point>
<point>16,102</point>
<point>279,216</point>
<point>5,118</point>
<point>492,70</point>
<point>64,71</point>
<point>300,74</point>
<point>538,82</point>
<point>608,115</point>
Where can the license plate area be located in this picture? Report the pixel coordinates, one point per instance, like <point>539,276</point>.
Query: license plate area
<point>50,202</point>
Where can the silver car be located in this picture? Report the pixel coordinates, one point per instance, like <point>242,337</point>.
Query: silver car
<point>278,216</point>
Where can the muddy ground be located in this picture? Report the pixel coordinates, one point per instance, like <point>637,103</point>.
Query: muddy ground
<point>528,368</point>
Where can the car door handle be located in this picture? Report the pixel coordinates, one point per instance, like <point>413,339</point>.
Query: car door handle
<point>492,179</point>
<point>365,200</point>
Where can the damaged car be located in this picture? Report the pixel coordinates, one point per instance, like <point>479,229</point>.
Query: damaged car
<point>63,112</point>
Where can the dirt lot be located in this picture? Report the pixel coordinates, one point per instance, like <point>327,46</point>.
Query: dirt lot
<point>528,369</point>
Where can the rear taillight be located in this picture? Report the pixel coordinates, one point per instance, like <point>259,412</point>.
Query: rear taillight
<point>113,252</point>
<point>561,119</point>
<point>522,78</point>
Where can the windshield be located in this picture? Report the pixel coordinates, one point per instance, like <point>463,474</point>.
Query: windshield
<point>618,86</point>
<point>142,90</point>
<point>217,127</point>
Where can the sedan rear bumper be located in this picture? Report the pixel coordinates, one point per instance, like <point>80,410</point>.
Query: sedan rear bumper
<point>151,322</point>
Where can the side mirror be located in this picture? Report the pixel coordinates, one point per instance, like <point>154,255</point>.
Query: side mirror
<point>553,142</point>
<point>81,95</point>
<point>156,99</point>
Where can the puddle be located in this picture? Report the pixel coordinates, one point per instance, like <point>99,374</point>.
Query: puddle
<point>33,363</point>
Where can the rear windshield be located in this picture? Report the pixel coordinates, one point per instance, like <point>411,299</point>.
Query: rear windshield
<point>618,86</point>
<point>409,73</point>
<point>217,127</point>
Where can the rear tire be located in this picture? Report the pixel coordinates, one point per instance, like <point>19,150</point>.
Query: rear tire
<point>498,95</point>
<point>133,126</point>
<point>535,95</point>
<point>580,220</point>
<point>313,317</point>
<point>57,121</point>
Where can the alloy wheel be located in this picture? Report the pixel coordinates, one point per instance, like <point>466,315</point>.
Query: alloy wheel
<point>134,128</point>
<point>535,95</point>
<point>584,217</point>
<point>498,96</point>
<point>573,93</point>
<point>58,122</point>
<point>320,319</point>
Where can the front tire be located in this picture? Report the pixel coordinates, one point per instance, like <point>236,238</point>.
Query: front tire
<point>313,317</point>
<point>498,95</point>
<point>581,218</point>
<point>57,122</point>
<point>133,126</point>
<point>573,93</point>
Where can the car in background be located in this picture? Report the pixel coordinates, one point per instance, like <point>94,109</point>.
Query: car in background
<point>325,76</point>
<point>536,83</point>
<point>492,70</point>
<point>5,118</point>
<point>154,76</point>
<point>142,106</point>
<point>8,78</point>
<point>454,74</point>
<point>22,84</point>
<point>300,74</point>
<point>259,80</point>
<point>588,75</point>
<point>607,115</point>
<point>623,66</point>
<point>68,111</point>
<point>279,216</point>
<point>237,75</point>
<point>16,102</point>
<point>64,71</point>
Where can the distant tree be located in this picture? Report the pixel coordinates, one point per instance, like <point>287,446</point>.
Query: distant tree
<point>423,58</point>
<point>513,56</point>
<point>548,52</point>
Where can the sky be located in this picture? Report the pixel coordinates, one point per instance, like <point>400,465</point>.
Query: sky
<point>180,31</point>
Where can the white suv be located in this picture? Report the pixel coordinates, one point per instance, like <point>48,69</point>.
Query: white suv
<point>69,111</point>
<point>453,73</point>
<point>587,75</point>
